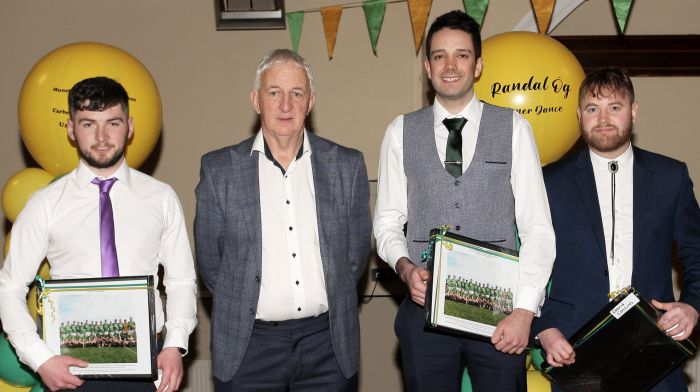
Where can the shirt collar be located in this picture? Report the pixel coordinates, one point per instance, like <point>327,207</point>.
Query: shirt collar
<point>260,145</point>
<point>623,160</point>
<point>470,112</point>
<point>85,175</point>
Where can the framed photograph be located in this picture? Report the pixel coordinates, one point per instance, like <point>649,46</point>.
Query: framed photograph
<point>107,322</point>
<point>472,287</point>
<point>621,349</point>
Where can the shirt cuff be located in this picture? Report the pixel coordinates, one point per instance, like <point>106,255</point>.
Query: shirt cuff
<point>36,355</point>
<point>529,298</point>
<point>394,253</point>
<point>175,338</point>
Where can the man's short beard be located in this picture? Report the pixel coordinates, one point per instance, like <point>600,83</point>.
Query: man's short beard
<point>92,162</point>
<point>613,143</point>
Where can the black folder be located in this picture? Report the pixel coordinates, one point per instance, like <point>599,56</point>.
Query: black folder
<point>621,349</point>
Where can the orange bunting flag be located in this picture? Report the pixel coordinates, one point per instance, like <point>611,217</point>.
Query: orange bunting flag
<point>331,20</point>
<point>543,13</point>
<point>419,11</point>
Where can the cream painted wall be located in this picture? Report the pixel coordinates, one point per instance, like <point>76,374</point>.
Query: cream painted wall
<point>204,77</point>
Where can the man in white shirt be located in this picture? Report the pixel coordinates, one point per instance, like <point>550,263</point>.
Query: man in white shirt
<point>618,213</point>
<point>282,235</point>
<point>62,223</point>
<point>491,188</point>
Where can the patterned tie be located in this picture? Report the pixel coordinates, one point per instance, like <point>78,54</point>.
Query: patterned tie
<point>453,153</point>
<point>108,247</point>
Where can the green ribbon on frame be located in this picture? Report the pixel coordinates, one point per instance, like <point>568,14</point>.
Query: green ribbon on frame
<point>476,9</point>
<point>374,14</point>
<point>622,12</point>
<point>296,21</point>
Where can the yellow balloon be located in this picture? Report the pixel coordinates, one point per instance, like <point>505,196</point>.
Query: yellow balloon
<point>5,387</point>
<point>539,77</point>
<point>43,106</point>
<point>20,187</point>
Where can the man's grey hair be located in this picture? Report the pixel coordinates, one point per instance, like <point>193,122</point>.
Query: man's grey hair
<point>282,56</point>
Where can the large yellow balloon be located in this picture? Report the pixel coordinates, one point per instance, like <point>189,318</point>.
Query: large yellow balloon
<point>43,106</point>
<point>540,78</point>
<point>5,387</point>
<point>20,187</point>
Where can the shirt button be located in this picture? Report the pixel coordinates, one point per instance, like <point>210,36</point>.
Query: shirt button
<point>299,309</point>
<point>290,228</point>
<point>294,255</point>
<point>457,205</point>
<point>297,283</point>
<point>287,201</point>
<point>458,227</point>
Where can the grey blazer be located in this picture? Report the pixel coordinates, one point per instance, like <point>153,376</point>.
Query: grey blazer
<point>228,245</point>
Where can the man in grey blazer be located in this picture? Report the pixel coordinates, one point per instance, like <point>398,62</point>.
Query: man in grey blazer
<point>282,237</point>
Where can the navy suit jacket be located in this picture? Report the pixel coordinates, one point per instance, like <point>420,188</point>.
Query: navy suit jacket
<point>228,242</point>
<point>666,217</point>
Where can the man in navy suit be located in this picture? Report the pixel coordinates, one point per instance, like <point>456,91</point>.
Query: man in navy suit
<point>618,213</point>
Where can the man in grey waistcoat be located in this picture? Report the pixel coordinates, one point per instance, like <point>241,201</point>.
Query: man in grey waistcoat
<point>473,166</point>
<point>282,236</point>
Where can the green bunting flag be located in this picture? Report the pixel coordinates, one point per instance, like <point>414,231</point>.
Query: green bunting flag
<point>476,9</point>
<point>622,11</point>
<point>295,20</point>
<point>374,14</point>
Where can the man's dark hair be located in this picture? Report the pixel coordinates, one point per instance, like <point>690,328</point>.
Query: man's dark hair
<point>605,82</point>
<point>97,94</point>
<point>456,20</point>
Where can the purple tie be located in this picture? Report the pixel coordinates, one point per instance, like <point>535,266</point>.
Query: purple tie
<point>108,247</point>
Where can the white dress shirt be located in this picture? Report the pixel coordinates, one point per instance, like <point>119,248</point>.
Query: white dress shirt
<point>292,284</point>
<point>61,222</point>
<point>619,268</point>
<point>532,216</point>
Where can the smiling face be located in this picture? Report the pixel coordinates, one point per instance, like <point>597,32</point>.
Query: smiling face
<point>606,122</point>
<point>101,137</point>
<point>283,100</point>
<point>452,67</point>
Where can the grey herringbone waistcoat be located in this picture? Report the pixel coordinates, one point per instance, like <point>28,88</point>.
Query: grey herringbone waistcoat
<point>480,203</point>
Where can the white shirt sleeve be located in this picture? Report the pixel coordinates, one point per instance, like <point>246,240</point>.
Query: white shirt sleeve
<point>28,247</point>
<point>179,276</point>
<point>391,208</point>
<point>534,222</point>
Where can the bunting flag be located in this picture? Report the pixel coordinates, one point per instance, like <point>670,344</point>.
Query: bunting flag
<point>419,11</point>
<point>476,9</point>
<point>331,20</point>
<point>374,14</point>
<point>622,11</point>
<point>543,13</point>
<point>295,21</point>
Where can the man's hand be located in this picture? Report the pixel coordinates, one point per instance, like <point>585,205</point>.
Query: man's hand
<point>679,319</point>
<point>415,278</point>
<point>55,375</point>
<point>559,351</point>
<point>512,333</point>
<point>170,362</point>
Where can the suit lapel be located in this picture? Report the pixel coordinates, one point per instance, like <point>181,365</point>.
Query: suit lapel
<point>587,190</point>
<point>245,165</point>
<point>642,182</point>
<point>323,163</point>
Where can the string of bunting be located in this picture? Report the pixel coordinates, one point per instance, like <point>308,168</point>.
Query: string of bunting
<point>419,10</point>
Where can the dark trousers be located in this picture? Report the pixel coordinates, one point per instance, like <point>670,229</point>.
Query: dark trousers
<point>434,362</point>
<point>293,355</point>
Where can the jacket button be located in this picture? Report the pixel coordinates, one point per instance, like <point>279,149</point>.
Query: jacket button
<point>257,279</point>
<point>251,311</point>
<point>457,205</point>
<point>457,182</point>
<point>458,227</point>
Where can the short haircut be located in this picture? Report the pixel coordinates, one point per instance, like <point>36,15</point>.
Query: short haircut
<point>455,20</point>
<point>97,94</point>
<point>606,82</point>
<point>281,56</point>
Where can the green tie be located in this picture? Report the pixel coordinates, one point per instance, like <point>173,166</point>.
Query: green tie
<point>453,154</point>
